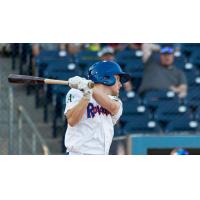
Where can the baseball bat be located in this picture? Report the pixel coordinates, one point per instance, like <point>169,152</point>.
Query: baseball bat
<point>15,78</point>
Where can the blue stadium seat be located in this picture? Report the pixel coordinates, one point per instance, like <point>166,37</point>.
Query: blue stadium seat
<point>133,106</point>
<point>135,68</point>
<point>46,56</point>
<point>196,112</point>
<point>141,124</point>
<point>191,73</point>
<point>123,95</point>
<point>189,48</point>
<point>53,89</point>
<point>135,114</point>
<point>59,96</point>
<point>125,56</point>
<point>62,75</point>
<point>193,96</point>
<point>195,57</point>
<point>118,131</point>
<point>61,67</point>
<point>183,124</point>
<point>86,58</point>
<point>170,110</point>
<point>180,62</point>
<point>153,98</point>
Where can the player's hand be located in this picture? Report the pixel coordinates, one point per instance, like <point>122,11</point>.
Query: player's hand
<point>75,81</point>
<point>84,87</point>
<point>81,84</point>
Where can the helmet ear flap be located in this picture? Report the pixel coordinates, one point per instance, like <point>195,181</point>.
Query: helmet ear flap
<point>109,80</point>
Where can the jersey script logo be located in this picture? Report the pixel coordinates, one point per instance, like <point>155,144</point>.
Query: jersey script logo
<point>93,110</point>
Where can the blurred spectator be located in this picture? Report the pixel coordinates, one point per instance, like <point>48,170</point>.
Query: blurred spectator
<point>162,75</point>
<point>118,46</point>
<point>93,46</point>
<point>72,50</point>
<point>107,53</point>
<point>37,47</point>
<point>179,151</point>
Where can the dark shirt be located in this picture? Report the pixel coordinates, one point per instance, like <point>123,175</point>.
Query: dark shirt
<point>158,77</point>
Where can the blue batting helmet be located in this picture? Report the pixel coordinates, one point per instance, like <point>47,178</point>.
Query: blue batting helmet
<point>103,72</point>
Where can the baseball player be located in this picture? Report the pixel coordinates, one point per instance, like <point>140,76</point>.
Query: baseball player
<point>92,113</point>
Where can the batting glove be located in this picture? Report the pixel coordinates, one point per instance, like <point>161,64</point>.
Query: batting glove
<point>75,81</point>
<point>81,84</point>
<point>87,94</point>
<point>84,87</point>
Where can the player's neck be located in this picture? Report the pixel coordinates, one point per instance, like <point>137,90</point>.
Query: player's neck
<point>104,89</point>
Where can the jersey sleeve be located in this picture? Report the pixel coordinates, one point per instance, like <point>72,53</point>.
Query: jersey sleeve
<point>72,99</point>
<point>116,117</point>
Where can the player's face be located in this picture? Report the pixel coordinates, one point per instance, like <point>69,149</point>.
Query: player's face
<point>116,87</point>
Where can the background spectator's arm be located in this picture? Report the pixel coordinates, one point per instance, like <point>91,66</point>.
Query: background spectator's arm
<point>147,49</point>
<point>181,90</point>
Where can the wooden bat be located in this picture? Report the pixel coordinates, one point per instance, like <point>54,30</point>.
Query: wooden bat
<point>15,78</point>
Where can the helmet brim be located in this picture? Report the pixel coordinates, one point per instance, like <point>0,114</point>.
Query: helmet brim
<point>124,77</point>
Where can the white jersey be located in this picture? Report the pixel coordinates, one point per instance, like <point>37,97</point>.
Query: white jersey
<point>94,133</point>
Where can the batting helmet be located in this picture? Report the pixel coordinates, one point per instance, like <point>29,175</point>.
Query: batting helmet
<point>103,72</point>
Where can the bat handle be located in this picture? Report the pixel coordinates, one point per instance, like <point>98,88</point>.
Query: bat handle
<point>61,82</point>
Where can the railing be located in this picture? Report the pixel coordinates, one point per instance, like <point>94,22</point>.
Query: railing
<point>11,121</point>
<point>36,139</point>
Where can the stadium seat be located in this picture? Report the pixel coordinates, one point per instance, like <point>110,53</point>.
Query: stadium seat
<point>62,67</point>
<point>123,95</point>
<point>133,106</point>
<point>51,90</point>
<point>196,112</point>
<point>139,113</point>
<point>169,110</point>
<point>86,58</point>
<point>153,98</point>
<point>180,62</point>
<point>191,73</point>
<point>45,56</point>
<point>141,124</point>
<point>189,48</point>
<point>183,124</point>
<point>195,57</point>
<point>125,55</point>
<point>193,96</point>
<point>54,73</point>
<point>135,68</point>
<point>118,131</point>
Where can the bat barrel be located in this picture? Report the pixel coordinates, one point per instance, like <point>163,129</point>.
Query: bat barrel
<point>14,78</point>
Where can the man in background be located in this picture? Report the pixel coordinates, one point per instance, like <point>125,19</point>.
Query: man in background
<point>162,74</point>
